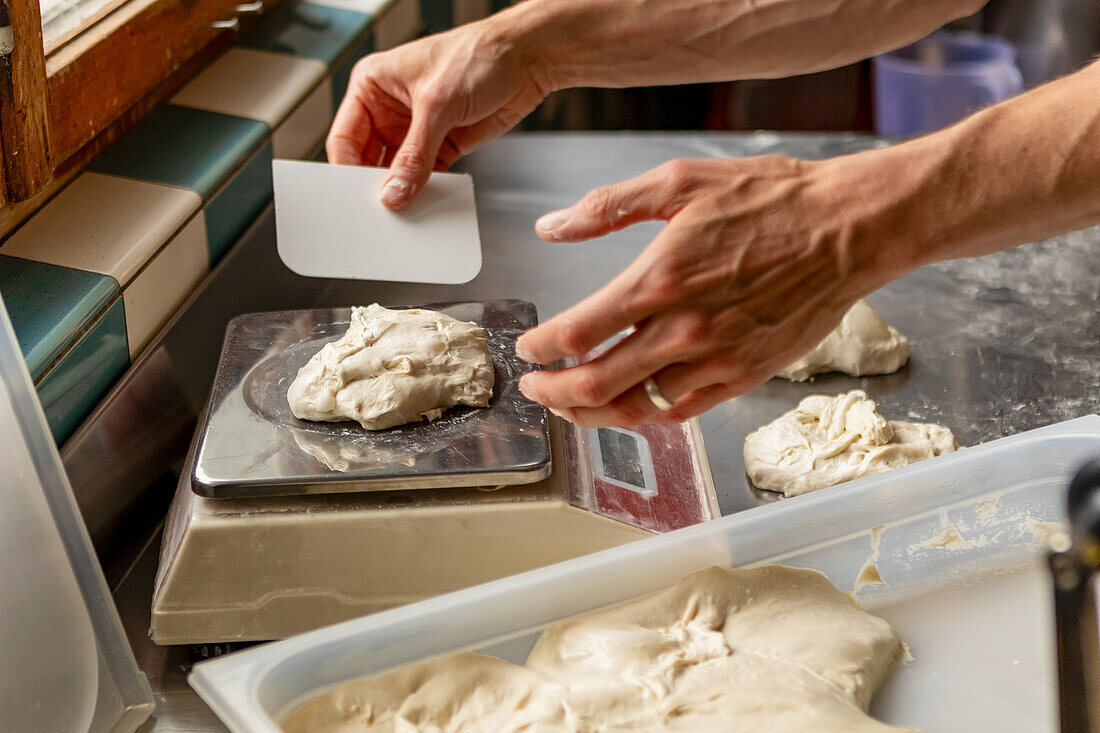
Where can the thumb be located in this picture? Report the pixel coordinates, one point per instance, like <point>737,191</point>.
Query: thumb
<point>610,208</point>
<point>415,159</point>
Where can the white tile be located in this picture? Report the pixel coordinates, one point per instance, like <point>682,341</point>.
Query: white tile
<point>246,82</point>
<point>159,289</point>
<point>304,130</point>
<point>369,7</point>
<point>104,224</point>
<point>399,22</point>
<point>467,11</point>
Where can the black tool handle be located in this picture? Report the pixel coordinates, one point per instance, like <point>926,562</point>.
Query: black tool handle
<point>1083,503</point>
<point>1073,562</point>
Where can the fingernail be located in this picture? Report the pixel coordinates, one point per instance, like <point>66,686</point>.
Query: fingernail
<point>525,388</point>
<point>396,191</point>
<point>558,413</point>
<point>550,223</point>
<point>523,353</point>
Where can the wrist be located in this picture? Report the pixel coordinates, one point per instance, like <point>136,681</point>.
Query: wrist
<point>528,34</point>
<point>896,212</point>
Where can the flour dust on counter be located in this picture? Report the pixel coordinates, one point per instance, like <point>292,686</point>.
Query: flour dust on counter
<point>763,649</point>
<point>826,441</point>
<point>861,344</point>
<point>393,367</point>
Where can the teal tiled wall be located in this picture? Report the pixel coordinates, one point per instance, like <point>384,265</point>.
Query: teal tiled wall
<point>54,309</point>
<point>183,146</point>
<point>50,306</point>
<point>200,150</point>
<point>79,381</point>
<point>313,31</point>
<point>232,209</point>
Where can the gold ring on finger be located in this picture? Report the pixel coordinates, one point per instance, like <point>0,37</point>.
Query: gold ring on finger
<point>655,395</point>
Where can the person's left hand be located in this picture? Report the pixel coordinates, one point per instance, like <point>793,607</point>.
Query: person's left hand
<point>760,259</point>
<point>419,107</point>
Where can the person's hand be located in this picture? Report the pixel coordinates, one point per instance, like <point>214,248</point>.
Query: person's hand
<point>760,259</point>
<point>419,107</point>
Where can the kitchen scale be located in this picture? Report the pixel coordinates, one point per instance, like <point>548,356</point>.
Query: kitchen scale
<point>280,525</point>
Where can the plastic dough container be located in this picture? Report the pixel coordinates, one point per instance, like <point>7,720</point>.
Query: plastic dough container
<point>958,542</point>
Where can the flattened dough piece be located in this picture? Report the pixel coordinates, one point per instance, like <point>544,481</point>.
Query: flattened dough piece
<point>393,367</point>
<point>757,649</point>
<point>861,344</point>
<point>829,440</point>
<point>761,649</point>
<point>459,692</point>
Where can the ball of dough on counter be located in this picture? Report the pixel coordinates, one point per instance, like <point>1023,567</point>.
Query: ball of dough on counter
<point>763,649</point>
<point>829,440</point>
<point>393,367</point>
<point>861,344</point>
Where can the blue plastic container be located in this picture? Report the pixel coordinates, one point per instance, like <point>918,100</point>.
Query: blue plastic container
<point>940,79</point>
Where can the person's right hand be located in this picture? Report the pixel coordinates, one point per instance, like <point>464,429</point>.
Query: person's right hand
<point>760,260</point>
<point>421,106</point>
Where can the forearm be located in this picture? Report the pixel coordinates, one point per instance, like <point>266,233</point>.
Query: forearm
<point>1020,171</point>
<point>620,43</point>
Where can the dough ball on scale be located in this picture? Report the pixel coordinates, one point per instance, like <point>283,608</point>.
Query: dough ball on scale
<point>394,367</point>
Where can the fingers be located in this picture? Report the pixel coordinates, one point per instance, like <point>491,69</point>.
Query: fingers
<point>586,394</point>
<point>701,400</point>
<point>351,128</point>
<point>676,381</point>
<point>630,408</point>
<point>588,324</point>
<point>657,194</point>
<point>597,382</point>
<point>591,393</point>
<point>632,296</point>
<point>635,408</point>
<point>416,158</point>
<point>473,136</point>
<point>695,389</point>
<point>668,343</point>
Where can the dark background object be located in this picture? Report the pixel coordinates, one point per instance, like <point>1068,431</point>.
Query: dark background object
<point>835,100</point>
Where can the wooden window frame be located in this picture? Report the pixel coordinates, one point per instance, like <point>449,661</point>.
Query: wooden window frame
<point>58,108</point>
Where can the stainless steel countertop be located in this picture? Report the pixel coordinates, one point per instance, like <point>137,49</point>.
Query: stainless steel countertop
<point>1001,344</point>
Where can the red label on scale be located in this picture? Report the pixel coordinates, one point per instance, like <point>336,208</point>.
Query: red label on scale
<point>649,476</point>
<point>653,477</point>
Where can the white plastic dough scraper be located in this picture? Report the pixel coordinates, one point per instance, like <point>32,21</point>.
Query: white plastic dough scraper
<point>330,223</point>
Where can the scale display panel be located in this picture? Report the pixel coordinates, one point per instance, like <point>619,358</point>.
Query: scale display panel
<point>622,458</point>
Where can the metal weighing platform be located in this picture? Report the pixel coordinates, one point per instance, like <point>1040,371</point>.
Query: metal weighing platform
<point>251,445</point>
<point>1001,344</point>
<point>281,525</point>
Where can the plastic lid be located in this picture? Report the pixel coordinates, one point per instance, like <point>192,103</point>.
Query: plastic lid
<point>66,665</point>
